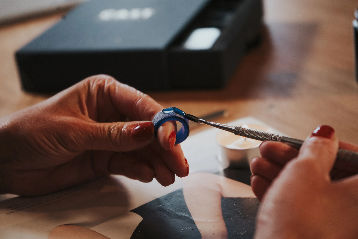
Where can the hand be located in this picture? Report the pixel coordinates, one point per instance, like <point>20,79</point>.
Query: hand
<point>299,199</point>
<point>95,128</point>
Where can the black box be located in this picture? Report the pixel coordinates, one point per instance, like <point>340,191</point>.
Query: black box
<point>148,44</point>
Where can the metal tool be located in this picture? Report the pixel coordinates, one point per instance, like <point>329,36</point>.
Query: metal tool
<point>349,157</point>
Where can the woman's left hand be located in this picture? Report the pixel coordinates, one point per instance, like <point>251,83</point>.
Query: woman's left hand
<point>94,128</point>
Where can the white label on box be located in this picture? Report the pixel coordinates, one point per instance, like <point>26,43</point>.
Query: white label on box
<point>202,38</point>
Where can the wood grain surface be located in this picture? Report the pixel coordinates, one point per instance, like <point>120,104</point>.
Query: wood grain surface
<point>300,76</point>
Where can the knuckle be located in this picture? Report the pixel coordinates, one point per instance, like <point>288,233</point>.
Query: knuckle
<point>116,133</point>
<point>98,81</point>
<point>308,166</point>
<point>141,98</point>
<point>264,167</point>
<point>319,142</point>
<point>256,164</point>
<point>99,78</point>
<point>316,141</point>
<point>146,103</point>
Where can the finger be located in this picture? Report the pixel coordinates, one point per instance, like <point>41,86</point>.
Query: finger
<point>350,185</point>
<point>341,169</point>
<point>119,136</point>
<point>137,105</point>
<point>79,170</point>
<point>277,152</point>
<point>84,168</point>
<point>265,168</point>
<point>174,159</point>
<point>344,168</point>
<point>126,99</point>
<point>337,174</point>
<point>259,186</point>
<point>348,146</point>
<point>129,102</point>
<point>162,173</point>
<point>131,166</point>
<point>320,149</point>
<point>167,135</point>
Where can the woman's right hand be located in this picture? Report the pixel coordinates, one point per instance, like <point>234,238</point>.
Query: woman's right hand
<point>299,199</point>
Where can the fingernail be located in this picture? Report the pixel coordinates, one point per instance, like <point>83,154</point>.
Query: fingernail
<point>325,131</point>
<point>143,130</point>
<point>187,166</point>
<point>172,138</point>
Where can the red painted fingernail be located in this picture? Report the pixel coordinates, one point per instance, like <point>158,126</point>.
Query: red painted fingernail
<point>187,166</point>
<point>172,138</point>
<point>143,131</point>
<point>325,131</point>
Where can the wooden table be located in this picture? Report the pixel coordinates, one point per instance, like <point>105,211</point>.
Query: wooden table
<point>301,76</point>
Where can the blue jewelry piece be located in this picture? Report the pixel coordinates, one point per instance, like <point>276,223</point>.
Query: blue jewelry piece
<point>172,114</point>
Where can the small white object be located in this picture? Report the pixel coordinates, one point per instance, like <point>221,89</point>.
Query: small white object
<point>202,38</point>
<point>237,150</point>
<point>204,152</point>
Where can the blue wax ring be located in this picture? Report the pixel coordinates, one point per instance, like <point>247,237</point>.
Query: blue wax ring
<point>161,117</point>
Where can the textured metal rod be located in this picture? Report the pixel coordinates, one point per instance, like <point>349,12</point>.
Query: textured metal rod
<point>349,157</point>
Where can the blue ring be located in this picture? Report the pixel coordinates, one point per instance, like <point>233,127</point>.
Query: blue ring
<point>161,117</point>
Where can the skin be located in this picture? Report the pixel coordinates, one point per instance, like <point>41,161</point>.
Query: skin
<point>95,128</point>
<point>299,197</point>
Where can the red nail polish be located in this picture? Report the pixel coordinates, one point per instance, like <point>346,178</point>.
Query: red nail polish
<point>325,131</point>
<point>172,138</point>
<point>143,131</point>
<point>187,166</point>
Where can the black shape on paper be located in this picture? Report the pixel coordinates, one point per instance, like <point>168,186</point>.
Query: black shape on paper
<point>169,217</point>
<point>240,216</point>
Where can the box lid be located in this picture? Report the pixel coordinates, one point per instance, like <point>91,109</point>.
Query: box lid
<point>118,25</point>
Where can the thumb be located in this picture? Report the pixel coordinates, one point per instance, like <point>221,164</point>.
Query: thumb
<point>120,136</point>
<point>321,148</point>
